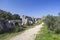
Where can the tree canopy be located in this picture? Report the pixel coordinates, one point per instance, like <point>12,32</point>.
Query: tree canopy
<point>8,16</point>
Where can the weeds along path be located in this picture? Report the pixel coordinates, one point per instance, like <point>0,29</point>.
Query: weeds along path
<point>28,34</point>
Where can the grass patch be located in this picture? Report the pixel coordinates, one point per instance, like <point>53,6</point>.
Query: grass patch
<point>44,34</point>
<point>7,36</point>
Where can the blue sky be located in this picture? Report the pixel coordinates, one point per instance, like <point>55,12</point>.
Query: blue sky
<point>33,8</point>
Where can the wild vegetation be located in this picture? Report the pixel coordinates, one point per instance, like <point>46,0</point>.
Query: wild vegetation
<point>51,29</point>
<point>44,34</point>
<point>8,16</point>
<point>53,23</point>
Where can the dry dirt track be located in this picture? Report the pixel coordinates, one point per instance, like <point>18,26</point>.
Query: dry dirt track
<point>28,34</point>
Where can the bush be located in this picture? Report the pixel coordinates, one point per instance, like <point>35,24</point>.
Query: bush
<point>57,27</point>
<point>53,23</point>
<point>18,28</point>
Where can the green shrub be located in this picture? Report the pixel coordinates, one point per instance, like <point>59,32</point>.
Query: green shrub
<point>18,28</point>
<point>53,23</point>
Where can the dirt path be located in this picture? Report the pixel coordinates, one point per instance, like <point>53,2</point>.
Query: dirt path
<point>28,34</point>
